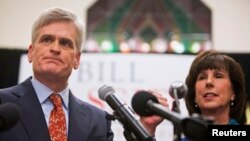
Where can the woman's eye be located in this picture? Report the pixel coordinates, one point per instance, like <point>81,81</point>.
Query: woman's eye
<point>201,77</point>
<point>218,75</point>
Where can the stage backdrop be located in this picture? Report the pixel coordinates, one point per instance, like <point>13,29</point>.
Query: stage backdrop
<point>126,73</point>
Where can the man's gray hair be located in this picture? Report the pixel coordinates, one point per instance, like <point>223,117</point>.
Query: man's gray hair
<point>56,14</point>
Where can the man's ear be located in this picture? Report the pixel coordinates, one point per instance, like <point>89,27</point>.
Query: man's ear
<point>77,62</point>
<point>30,53</point>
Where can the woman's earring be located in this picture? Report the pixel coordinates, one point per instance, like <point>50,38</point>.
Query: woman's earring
<point>196,106</point>
<point>232,103</point>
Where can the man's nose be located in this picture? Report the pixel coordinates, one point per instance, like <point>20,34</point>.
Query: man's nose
<point>55,48</point>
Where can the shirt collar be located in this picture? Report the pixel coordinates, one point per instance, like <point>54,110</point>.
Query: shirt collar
<point>43,92</point>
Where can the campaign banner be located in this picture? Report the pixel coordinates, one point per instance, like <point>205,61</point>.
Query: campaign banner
<point>126,73</point>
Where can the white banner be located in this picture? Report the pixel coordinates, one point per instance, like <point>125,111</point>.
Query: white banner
<point>126,73</point>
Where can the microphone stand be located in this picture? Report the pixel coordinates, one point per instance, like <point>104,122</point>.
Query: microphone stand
<point>198,125</point>
<point>128,134</point>
<point>177,130</point>
<point>194,127</point>
<point>176,108</point>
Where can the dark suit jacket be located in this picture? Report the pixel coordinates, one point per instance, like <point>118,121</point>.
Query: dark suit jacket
<point>86,122</point>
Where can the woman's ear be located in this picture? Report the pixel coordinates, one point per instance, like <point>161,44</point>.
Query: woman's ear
<point>233,97</point>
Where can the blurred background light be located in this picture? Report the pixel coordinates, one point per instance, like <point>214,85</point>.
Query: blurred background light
<point>124,47</point>
<point>195,47</point>
<point>107,46</point>
<point>91,46</point>
<point>177,47</point>
<point>159,45</point>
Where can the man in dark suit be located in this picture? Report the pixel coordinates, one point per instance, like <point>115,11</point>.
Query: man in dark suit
<point>54,52</point>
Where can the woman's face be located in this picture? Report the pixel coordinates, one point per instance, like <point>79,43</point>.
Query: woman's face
<point>213,90</point>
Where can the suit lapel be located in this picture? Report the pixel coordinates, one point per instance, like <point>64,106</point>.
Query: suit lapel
<point>32,115</point>
<point>78,120</point>
<point>34,122</point>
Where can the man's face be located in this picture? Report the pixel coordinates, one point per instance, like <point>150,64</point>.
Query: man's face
<point>54,52</point>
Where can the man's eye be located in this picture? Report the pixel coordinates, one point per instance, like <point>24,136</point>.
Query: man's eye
<point>46,40</point>
<point>66,43</point>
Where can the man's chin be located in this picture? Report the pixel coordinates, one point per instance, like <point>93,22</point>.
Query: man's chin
<point>51,72</point>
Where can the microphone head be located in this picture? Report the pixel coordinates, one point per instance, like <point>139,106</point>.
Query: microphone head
<point>139,103</point>
<point>105,91</point>
<point>9,116</point>
<point>180,88</point>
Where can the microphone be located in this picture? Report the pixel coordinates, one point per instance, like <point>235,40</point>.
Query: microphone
<point>177,91</point>
<point>125,114</point>
<point>146,104</point>
<point>9,116</point>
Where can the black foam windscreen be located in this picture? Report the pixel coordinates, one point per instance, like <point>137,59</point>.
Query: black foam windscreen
<point>9,116</point>
<point>139,103</point>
